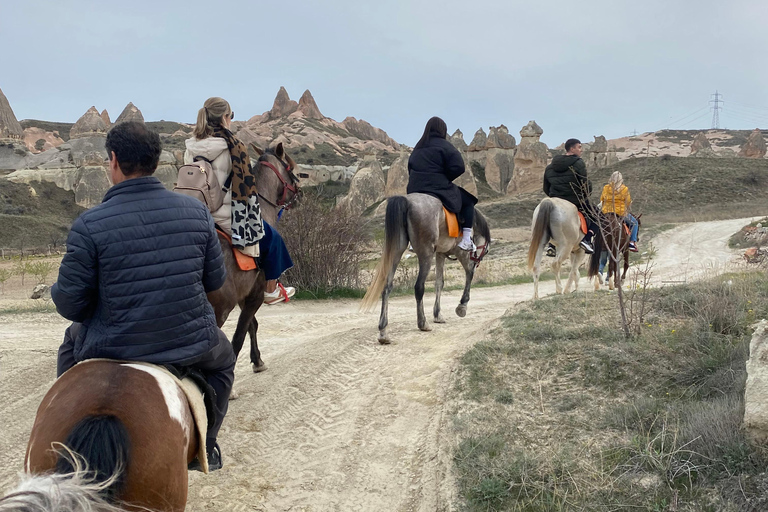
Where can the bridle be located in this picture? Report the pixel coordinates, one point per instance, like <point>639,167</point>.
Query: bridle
<point>282,203</point>
<point>479,253</point>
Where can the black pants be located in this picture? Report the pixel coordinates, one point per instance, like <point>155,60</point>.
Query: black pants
<point>218,366</point>
<point>467,212</point>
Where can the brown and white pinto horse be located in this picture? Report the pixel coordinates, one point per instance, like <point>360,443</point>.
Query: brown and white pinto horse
<point>278,187</point>
<point>130,423</point>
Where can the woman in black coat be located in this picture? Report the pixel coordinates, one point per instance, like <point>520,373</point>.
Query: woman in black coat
<point>432,167</point>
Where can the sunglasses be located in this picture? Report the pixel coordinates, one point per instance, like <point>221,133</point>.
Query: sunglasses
<point>232,115</point>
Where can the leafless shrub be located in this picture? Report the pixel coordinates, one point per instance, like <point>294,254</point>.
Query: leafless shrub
<point>326,245</point>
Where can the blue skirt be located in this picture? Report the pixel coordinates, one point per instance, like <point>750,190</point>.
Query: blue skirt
<point>273,254</point>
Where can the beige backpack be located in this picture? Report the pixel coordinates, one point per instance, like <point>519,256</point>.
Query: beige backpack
<point>198,180</point>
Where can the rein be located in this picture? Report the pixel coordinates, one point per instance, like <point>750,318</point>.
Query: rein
<point>483,250</point>
<point>282,202</point>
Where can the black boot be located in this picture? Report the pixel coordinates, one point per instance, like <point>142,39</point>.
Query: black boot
<point>214,459</point>
<point>551,250</point>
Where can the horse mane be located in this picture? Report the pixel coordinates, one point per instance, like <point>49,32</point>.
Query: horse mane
<point>77,491</point>
<point>481,227</point>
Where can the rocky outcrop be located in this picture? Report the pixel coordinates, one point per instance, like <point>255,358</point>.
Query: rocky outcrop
<point>130,113</point>
<point>478,141</point>
<point>283,105</point>
<point>367,187</point>
<point>308,107</point>
<point>755,145</point>
<point>33,137</point>
<point>756,389</point>
<point>598,155</point>
<point>700,142</point>
<point>9,125</point>
<point>531,158</point>
<point>397,176</point>
<point>364,130</point>
<point>467,180</point>
<point>499,138</point>
<point>91,124</point>
<point>457,139</point>
<point>499,168</point>
<point>105,118</point>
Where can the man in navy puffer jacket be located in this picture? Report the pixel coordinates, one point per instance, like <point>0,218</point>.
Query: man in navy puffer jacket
<point>136,273</point>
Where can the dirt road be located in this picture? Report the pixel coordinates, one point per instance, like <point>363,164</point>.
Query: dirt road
<point>338,422</point>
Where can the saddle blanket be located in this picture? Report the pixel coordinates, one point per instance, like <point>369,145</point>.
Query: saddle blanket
<point>583,222</point>
<point>244,262</point>
<point>452,223</point>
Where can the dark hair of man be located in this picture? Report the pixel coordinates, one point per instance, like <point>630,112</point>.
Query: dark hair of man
<point>435,128</point>
<point>570,143</point>
<point>136,147</point>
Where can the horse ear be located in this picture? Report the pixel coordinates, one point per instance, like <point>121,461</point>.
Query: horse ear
<point>257,149</point>
<point>279,151</point>
<point>290,162</point>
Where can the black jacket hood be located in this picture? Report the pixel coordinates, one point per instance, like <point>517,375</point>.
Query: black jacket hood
<point>561,163</point>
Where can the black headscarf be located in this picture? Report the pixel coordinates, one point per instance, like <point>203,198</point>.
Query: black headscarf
<point>435,128</point>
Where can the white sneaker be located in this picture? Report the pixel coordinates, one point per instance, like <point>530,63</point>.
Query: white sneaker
<point>281,293</point>
<point>467,244</point>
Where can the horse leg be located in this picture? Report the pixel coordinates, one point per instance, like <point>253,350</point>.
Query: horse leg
<point>425,263</point>
<point>556,269</point>
<point>626,264</point>
<point>384,318</point>
<point>537,268</point>
<point>611,271</point>
<point>576,259</point>
<point>469,273</point>
<point>256,363</point>
<point>439,268</point>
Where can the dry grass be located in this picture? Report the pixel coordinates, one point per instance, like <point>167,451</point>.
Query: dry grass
<point>558,411</point>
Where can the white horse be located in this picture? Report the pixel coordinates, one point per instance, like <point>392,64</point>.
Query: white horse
<point>558,220</point>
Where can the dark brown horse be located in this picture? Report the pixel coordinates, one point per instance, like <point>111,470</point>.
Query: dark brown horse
<point>614,240</point>
<point>278,187</point>
<point>129,424</point>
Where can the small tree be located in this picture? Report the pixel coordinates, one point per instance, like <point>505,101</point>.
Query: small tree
<point>39,144</point>
<point>5,274</point>
<point>21,269</point>
<point>41,270</point>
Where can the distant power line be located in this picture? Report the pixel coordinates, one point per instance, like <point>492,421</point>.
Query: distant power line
<point>716,110</point>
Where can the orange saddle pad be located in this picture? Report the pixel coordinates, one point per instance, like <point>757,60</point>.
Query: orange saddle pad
<point>583,222</point>
<point>452,223</point>
<point>244,262</point>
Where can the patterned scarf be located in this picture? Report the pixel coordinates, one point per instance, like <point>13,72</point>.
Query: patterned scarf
<point>247,226</point>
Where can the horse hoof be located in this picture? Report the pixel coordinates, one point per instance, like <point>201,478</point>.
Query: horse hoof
<point>425,328</point>
<point>234,395</point>
<point>461,311</point>
<point>383,340</point>
<point>439,320</point>
<point>258,368</point>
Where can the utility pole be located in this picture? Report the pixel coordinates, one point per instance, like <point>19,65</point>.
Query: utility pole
<point>634,133</point>
<point>716,109</point>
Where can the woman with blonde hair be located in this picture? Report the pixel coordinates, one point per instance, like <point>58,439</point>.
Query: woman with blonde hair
<point>616,199</point>
<point>239,216</point>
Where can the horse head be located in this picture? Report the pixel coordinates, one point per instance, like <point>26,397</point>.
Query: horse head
<point>278,185</point>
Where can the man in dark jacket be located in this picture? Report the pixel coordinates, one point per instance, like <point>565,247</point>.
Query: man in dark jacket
<point>566,178</point>
<point>136,273</point>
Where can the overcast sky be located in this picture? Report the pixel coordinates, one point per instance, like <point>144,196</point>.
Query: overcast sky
<point>578,68</point>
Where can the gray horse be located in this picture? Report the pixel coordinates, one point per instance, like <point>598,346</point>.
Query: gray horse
<point>420,219</point>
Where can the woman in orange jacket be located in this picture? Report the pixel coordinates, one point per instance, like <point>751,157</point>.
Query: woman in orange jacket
<point>616,199</point>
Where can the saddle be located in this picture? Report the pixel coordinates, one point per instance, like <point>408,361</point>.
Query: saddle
<point>452,223</point>
<point>583,222</point>
<point>244,262</point>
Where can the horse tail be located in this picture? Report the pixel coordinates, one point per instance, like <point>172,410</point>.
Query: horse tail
<point>395,229</point>
<point>71,491</point>
<point>540,230</point>
<point>99,444</point>
<point>594,260</point>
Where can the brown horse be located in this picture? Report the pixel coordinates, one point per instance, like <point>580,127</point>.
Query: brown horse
<point>278,187</point>
<point>613,239</point>
<point>129,424</point>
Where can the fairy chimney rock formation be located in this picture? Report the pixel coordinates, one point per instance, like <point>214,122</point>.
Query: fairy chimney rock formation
<point>130,113</point>
<point>105,118</point>
<point>397,176</point>
<point>531,158</point>
<point>367,187</point>
<point>9,125</point>
<point>362,129</point>
<point>756,389</point>
<point>479,141</point>
<point>700,142</point>
<point>500,138</point>
<point>89,125</point>
<point>457,139</point>
<point>308,107</point>
<point>283,105</point>
<point>598,155</point>
<point>755,145</point>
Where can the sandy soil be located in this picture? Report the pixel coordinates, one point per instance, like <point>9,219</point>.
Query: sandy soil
<point>338,422</point>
